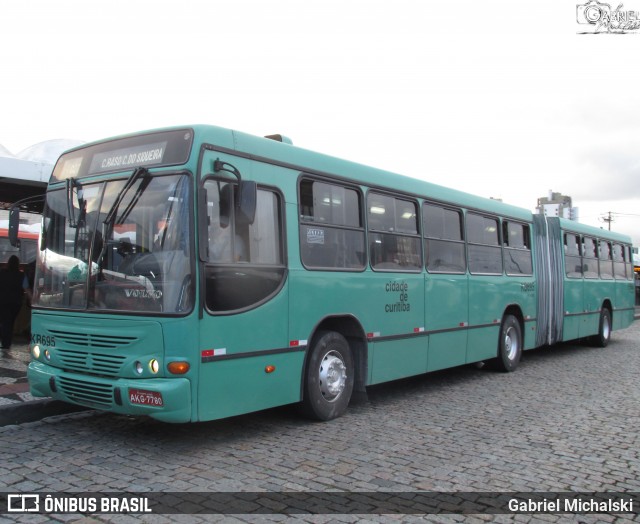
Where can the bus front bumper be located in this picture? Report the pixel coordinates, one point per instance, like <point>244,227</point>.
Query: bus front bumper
<point>165,399</point>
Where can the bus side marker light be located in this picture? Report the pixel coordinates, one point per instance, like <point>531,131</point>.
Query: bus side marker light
<point>269,369</point>
<point>178,368</point>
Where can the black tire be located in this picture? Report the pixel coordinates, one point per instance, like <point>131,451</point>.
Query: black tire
<point>329,377</point>
<point>601,340</point>
<point>509,344</point>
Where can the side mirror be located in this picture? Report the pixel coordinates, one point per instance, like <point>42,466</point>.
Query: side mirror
<point>246,205</point>
<point>14,226</point>
<point>246,196</point>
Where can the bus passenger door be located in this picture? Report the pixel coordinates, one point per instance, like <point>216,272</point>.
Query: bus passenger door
<point>246,363</point>
<point>446,286</point>
<point>447,318</point>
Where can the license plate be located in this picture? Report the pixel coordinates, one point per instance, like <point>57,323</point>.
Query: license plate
<point>144,397</point>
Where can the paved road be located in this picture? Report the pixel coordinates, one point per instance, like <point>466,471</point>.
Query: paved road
<point>567,420</point>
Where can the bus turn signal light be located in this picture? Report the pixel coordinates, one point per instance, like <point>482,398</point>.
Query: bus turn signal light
<point>178,368</point>
<point>269,369</point>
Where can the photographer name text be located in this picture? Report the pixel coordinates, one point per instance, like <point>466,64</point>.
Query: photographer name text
<point>571,505</point>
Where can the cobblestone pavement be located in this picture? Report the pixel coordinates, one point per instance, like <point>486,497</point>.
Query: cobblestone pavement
<point>566,420</point>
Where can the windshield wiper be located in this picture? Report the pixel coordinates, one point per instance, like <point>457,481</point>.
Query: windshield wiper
<point>138,173</point>
<point>107,223</point>
<point>71,184</point>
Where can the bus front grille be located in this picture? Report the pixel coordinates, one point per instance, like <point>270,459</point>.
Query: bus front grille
<point>92,340</point>
<point>94,363</point>
<point>85,392</point>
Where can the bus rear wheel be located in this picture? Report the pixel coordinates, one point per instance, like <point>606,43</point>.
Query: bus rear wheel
<point>328,378</point>
<point>509,344</point>
<point>601,340</point>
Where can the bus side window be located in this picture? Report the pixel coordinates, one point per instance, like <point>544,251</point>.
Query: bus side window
<point>606,262</point>
<point>444,240</point>
<point>393,233</point>
<point>517,248</point>
<point>483,236</point>
<point>619,266</point>
<point>572,256</point>
<point>331,230</point>
<point>589,257</point>
<point>628,260</point>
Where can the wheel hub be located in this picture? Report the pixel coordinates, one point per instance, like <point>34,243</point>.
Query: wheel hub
<point>333,376</point>
<point>606,329</point>
<point>510,344</point>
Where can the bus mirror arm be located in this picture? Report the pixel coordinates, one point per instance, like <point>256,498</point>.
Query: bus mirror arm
<point>14,215</point>
<point>14,226</point>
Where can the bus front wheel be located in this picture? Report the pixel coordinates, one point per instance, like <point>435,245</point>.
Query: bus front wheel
<point>509,344</point>
<point>329,377</point>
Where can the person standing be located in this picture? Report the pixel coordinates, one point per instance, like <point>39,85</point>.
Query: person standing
<point>12,286</point>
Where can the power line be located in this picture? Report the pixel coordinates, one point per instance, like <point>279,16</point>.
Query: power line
<point>609,217</point>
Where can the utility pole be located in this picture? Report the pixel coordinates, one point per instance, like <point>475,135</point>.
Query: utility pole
<point>608,219</point>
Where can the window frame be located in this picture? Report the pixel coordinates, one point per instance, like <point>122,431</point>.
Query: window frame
<point>506,248</point>
<point>398,234</point>
<point>628,260</point>
<point>248,266</point>
<point>590,275</point>
<point>578,240</point>
<point>471,245</point>
<point>304,221</point>
<point>462,242</point>
<point>619,262</point>
<point>605,261</point>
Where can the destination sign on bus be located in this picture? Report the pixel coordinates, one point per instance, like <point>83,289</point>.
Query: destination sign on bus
<point>129,157</point>
<point>164,148</point>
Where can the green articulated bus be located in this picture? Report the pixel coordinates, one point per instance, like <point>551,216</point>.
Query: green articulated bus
<point>196,273</point>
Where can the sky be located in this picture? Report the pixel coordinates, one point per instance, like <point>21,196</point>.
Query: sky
<point>498,98</point>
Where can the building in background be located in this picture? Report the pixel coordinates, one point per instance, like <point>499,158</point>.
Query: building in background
<point>557,205</point>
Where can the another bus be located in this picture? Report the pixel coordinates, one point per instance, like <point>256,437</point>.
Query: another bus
<point>25,250</point>
<point>197,273</point>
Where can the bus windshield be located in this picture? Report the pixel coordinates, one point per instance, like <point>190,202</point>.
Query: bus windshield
<point>117,246</point>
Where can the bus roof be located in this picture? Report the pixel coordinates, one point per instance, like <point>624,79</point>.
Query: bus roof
<point>577,227</point>
<point>313,162</point>
<point>286,154</point>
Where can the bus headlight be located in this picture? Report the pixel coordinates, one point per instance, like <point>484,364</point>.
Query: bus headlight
<point>36,351</point>
<point>47,354</point>
<point>138,367</point>
<point>154,366</point>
